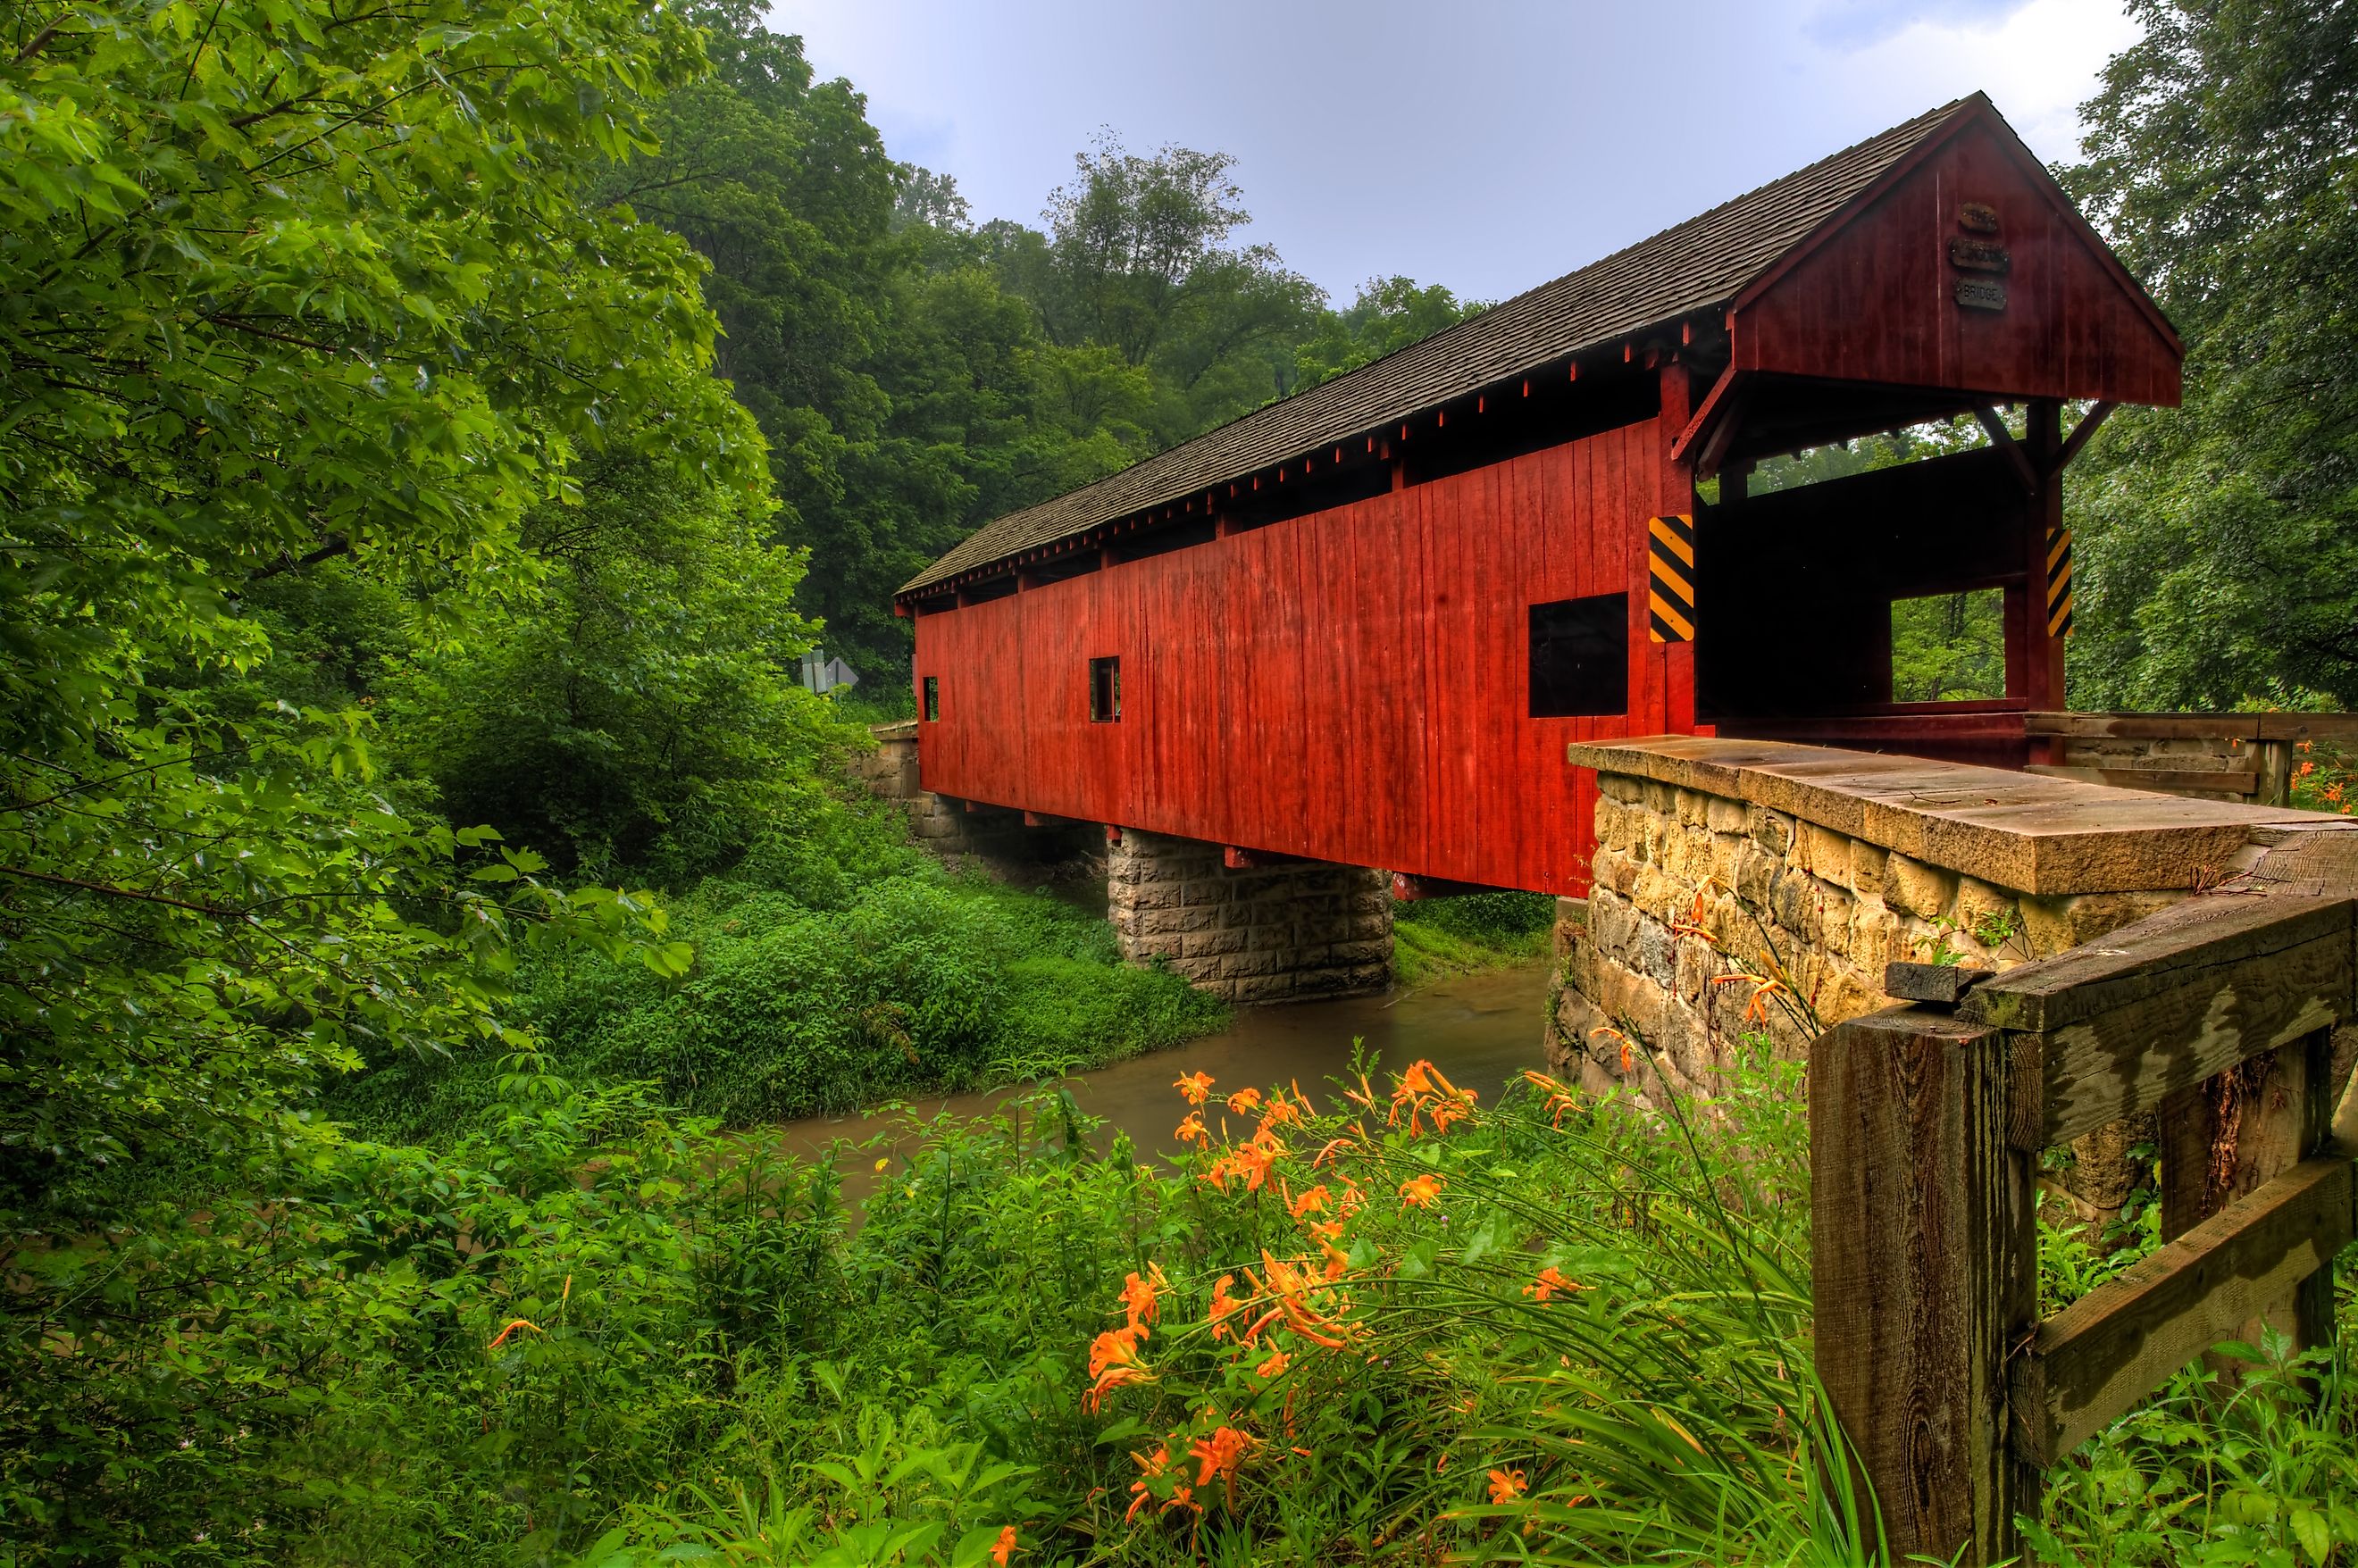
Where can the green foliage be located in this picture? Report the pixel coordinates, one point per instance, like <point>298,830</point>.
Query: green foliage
<point>2218,543</point>
<point>1948,647</point>
<point>1388,315</point>
<point>2216,1472</point>
<point>917,377</point>
<point>1433,938</point>
<point>834,969</point>
<point>631,709</point>
<point>287,283</point>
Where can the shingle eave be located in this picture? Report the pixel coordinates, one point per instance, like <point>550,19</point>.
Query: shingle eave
<point>1691,268</point>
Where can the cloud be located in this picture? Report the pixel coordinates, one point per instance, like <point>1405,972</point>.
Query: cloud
<point>2039,63</point>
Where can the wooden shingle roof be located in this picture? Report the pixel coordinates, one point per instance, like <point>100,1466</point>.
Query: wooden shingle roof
<point>1700,264</point>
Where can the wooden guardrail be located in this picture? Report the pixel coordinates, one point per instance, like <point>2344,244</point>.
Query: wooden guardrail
<point>2252,755</point>
<point>1926,1124</point>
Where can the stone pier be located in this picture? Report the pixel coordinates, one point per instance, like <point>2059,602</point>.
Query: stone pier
<point>1282,932</point>
<point>995,837</point>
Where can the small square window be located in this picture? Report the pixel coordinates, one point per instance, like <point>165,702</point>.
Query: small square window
<point>1580,656</point>
<point>1104,690</point>
<point>933,697</point>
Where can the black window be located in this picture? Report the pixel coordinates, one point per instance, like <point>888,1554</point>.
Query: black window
<point>933,697</point>
<point>1104,690</point>
<point>1580,656</point>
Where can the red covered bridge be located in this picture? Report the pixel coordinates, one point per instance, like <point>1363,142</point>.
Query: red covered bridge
<point>1361,624</point>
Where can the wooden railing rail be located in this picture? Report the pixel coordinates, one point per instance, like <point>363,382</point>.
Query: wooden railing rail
<point>1926,1127</point>
<point>2254,753</point>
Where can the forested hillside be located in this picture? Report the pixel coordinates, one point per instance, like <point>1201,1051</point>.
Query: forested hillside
<point>917,374</point>
<point>430,435</point>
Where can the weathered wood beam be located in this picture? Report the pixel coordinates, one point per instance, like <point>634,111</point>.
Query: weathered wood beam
<point>1239,859</point>
<point>1704,415</point>
<point>2087,427</point>
<point>2003,439</point>
<point>2147,726</point>
<point>1409,888</point>
<point>1924,1269</point>
<point>1045,819</point>
<point>2110,1028</point>
<point>2106,1351</point>
<point>2229,780</point>
<point>1941,985</point>
<point>2308,726</point>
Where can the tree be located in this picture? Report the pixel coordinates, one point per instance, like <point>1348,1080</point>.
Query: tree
<point>1138,260</point>
<point>1387,316</point>
<point>635,711</point>
<point>2218,544</point>
<point>285,283</point>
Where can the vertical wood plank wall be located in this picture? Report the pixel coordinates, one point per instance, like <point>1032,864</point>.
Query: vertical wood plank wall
<point>1877,301</point>
<point>1349,685</point>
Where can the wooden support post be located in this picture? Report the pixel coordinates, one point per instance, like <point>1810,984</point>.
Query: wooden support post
<point>2230,1135</point>
<point>2273,762</point>
<point>2043,687</point>
<point>1925,1270</point>
<point>1672,703</point>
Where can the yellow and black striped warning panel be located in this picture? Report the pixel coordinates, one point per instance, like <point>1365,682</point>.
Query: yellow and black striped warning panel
<point>1669,578</point>
<point>2059,582</point>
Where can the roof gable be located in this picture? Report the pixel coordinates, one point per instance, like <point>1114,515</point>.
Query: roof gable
<point>1695,267</point>
<point>1965,268</point>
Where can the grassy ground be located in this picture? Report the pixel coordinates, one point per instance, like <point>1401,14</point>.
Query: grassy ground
<point>1435,938</point>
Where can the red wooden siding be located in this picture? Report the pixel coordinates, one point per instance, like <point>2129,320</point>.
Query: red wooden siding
<point>1875,301</point>
<point>1350,686</point>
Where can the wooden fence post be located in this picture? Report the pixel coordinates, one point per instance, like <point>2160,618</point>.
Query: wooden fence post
<point>1925,1271</point>
<point>2230,1135</point>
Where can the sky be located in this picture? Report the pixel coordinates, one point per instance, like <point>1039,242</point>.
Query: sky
<point>1490,145</point>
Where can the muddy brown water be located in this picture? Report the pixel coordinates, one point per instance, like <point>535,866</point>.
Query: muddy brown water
<point>1481,1030</point>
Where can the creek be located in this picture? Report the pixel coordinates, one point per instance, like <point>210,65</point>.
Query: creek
<point>1481,1030</point>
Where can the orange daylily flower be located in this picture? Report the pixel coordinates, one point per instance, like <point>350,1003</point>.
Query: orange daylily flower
<point>1194,1086</point>
<point>1421,1191</point>
<point>1193,1130</point>
<point>1506,1485</point>
<point>1275,1365</point>
<point>1424,1091</point>
<point>1288,1287</point>
<point>1281,1114</point>
<point>1244,1099</point>
<point>1138,1297</point>
<point>1142,1489</point>
<point>514,1324</point>
<point>1612,1034</point>
<point>1219,1453</point>
<point>1113,1363</point>
<point>1004,1547</point>
<point>1224,1306</point>
<point>1343,1142</point>
<point>1559,1096</point>
<point>1309,1202</point>
<point>1250,1160</point>
<point>1763,988</point>
<point>1550,1280</point>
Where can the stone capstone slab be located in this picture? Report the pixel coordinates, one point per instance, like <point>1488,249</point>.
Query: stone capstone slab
<point>2041,836</point>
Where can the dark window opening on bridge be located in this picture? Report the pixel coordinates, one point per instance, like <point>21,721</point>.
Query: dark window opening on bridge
<point>1580,656</point>
<point>933,697</point>
<point>1104,690</point>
